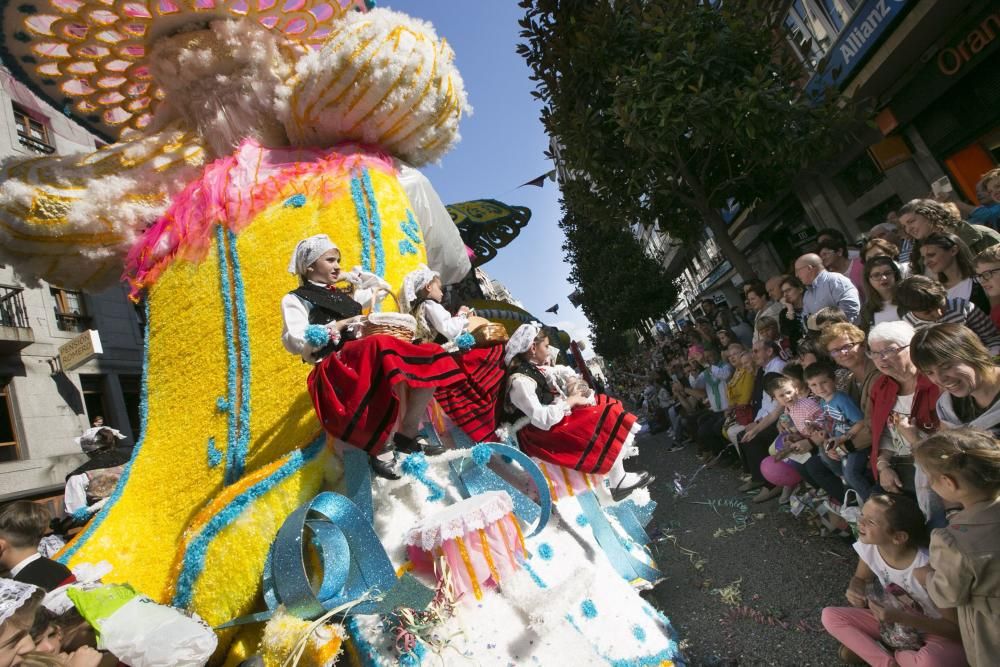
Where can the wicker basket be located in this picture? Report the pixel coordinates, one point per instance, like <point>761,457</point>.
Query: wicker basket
<point>490,334</point>
<point>397,325</point>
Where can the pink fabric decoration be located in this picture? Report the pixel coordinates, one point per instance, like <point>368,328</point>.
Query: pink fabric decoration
<point>478,538</point>
<point>234,189</point>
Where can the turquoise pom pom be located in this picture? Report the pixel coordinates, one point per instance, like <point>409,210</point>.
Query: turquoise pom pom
<point>317,335</point>
<point>465,341</point>
<point>295,201</point>
<point>81,514</point>
<point>415,464</point>
<point>481,454</point>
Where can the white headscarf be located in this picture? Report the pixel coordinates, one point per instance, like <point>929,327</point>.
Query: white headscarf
<point>308,251</point>
<point>521,341</point>
<point>13,595</point>
<point>415,281</point>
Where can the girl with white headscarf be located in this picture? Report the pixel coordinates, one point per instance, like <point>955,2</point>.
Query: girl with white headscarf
<point>588,434</point>
<point>471,403</point>
<point>358,384</point>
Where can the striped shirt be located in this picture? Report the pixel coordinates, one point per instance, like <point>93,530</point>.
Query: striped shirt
<point>960,311</point>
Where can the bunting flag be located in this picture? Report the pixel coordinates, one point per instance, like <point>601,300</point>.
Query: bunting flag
<point>554,309</point>
<point>486,225</point>
<point>539,181</point>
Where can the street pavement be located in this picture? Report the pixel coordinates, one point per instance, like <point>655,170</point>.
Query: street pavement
<point>745,584</point>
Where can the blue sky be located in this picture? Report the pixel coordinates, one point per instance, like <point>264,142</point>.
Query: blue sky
<point>503,145</point>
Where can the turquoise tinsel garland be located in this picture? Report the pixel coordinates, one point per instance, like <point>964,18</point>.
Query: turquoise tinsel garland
<point>416,466</point>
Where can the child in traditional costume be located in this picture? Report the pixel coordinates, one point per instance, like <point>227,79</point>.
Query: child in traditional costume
<point>471,403</point>
<point>590,434</point>
<point>358,384</point>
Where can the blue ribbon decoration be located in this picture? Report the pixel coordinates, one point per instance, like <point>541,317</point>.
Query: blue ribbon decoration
<point>473,477</point>
<point>358,481</point>
<point>633,519</point>
<point>627,565</point>
<point>354,564</point>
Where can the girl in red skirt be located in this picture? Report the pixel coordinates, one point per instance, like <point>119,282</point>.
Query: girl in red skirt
<point>589,434</point>
<point>362,388</point>
<point>471,403</point>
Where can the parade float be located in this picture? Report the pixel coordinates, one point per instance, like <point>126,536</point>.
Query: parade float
<point>239,128</point>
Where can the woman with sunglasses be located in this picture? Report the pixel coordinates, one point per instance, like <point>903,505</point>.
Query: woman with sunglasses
<point>903,412</point>
<point>845,343</point>
<point>948,259</point>
<point>881,276</point>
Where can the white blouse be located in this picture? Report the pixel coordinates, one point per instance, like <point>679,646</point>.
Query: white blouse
<point>439,319</point>
<point>522,395</point>
<point>295,313</point>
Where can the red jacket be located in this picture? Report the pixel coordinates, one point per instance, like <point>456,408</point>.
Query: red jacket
<point>883,398</point>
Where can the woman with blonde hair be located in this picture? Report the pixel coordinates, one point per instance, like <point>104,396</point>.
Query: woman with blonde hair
<point>953,358</point>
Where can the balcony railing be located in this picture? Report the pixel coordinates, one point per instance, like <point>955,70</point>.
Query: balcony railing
<point>72,322</point>
<point>12,310</point>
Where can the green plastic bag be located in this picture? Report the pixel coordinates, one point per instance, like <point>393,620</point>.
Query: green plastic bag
<point>97,604</point>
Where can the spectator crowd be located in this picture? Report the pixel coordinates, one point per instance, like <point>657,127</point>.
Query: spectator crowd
<point>863,384</point>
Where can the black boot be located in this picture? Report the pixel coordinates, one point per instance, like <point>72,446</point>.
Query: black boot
<point>621,492</point>
<point>382,468</point>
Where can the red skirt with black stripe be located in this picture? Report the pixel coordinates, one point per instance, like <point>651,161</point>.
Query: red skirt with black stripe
<point>352,390</point>
<point>588,439</point>
<point>471,404</point>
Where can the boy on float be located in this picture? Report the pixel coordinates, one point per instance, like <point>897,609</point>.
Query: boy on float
<point>471,403</point>
<point>360,387</point>
<point>589,434</point>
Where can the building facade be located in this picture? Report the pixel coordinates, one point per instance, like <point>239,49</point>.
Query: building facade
<point>930,70</point>
<point>43,406</point>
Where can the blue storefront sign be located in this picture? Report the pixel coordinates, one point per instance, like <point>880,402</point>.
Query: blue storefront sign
<point>869,23</point>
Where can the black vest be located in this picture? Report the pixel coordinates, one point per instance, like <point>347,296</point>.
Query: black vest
<point>542,391</point>
<point>438,338</point>
<point>327,306</point>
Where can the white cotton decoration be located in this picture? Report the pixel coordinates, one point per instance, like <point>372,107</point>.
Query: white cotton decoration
<point>71,219</point>
<point>222,80</point>
<point>380,78</point>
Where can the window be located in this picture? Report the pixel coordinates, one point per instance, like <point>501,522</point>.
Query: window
<point>9,449</point>
<point>132,394</point>
<point>94,400</point>
<point>32,132</point>
<point>860,176</point>
<point>71,310</point>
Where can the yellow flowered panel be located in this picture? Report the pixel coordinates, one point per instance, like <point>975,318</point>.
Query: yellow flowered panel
<point>170,478</point>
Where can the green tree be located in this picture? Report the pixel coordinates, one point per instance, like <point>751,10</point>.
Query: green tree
<point>620,284</point>
<point>669,109</point>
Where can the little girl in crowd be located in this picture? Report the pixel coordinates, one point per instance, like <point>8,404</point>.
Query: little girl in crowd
<point>589,434</point>
<point>470,403</point>
<point>892,620</point>
<point>358,385</point>
<point>801,413</point>
<point>963,466</point>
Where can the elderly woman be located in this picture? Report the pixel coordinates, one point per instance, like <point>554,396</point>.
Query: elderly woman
<point>953,358</point>
<point>903,407</point>
<point>845,343</point>
<point>882,274</point>
<point>921,217</point>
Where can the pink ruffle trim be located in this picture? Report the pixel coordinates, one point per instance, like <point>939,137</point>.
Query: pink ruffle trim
<point>232,190</point>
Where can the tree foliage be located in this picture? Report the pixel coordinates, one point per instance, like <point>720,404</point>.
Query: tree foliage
<point>620,284</point>
<point>668,109</point>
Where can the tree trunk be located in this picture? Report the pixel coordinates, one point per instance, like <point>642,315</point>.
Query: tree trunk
<point>729,250</point>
